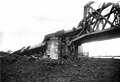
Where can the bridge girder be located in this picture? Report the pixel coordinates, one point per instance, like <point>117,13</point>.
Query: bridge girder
<point>94,22</point>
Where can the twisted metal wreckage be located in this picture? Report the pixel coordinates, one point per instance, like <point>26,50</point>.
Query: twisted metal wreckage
<point>95,25</point>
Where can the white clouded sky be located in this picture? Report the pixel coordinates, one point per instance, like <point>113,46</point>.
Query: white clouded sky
<point>25,22</point>
<point>106,47</point>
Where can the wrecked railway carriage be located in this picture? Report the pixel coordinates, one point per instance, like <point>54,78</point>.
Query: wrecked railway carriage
<point>95,25</point>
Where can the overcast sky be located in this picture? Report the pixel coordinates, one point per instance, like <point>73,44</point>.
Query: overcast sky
<point>26,22</point>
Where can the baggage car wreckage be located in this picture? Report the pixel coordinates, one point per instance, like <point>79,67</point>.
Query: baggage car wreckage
<point>95,25</point>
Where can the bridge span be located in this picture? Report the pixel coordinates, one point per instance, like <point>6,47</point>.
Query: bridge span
<point>97,24</point>
<point>106,34</point>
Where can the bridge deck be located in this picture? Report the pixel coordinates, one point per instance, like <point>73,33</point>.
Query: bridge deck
<point>98,36</point>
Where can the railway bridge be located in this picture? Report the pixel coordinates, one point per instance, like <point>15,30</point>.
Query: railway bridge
<point>97,24</point>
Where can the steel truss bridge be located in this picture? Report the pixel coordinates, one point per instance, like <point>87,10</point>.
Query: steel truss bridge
<point>97,24</point>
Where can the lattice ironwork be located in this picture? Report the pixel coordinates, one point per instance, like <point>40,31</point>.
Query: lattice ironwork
<point>97,20</point>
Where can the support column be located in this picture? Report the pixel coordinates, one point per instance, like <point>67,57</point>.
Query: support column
<point>76,50</point>
<point>80,51</point>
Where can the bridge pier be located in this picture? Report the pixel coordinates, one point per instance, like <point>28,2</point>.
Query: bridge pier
<point>74,50</point>
<point>53,50</point>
